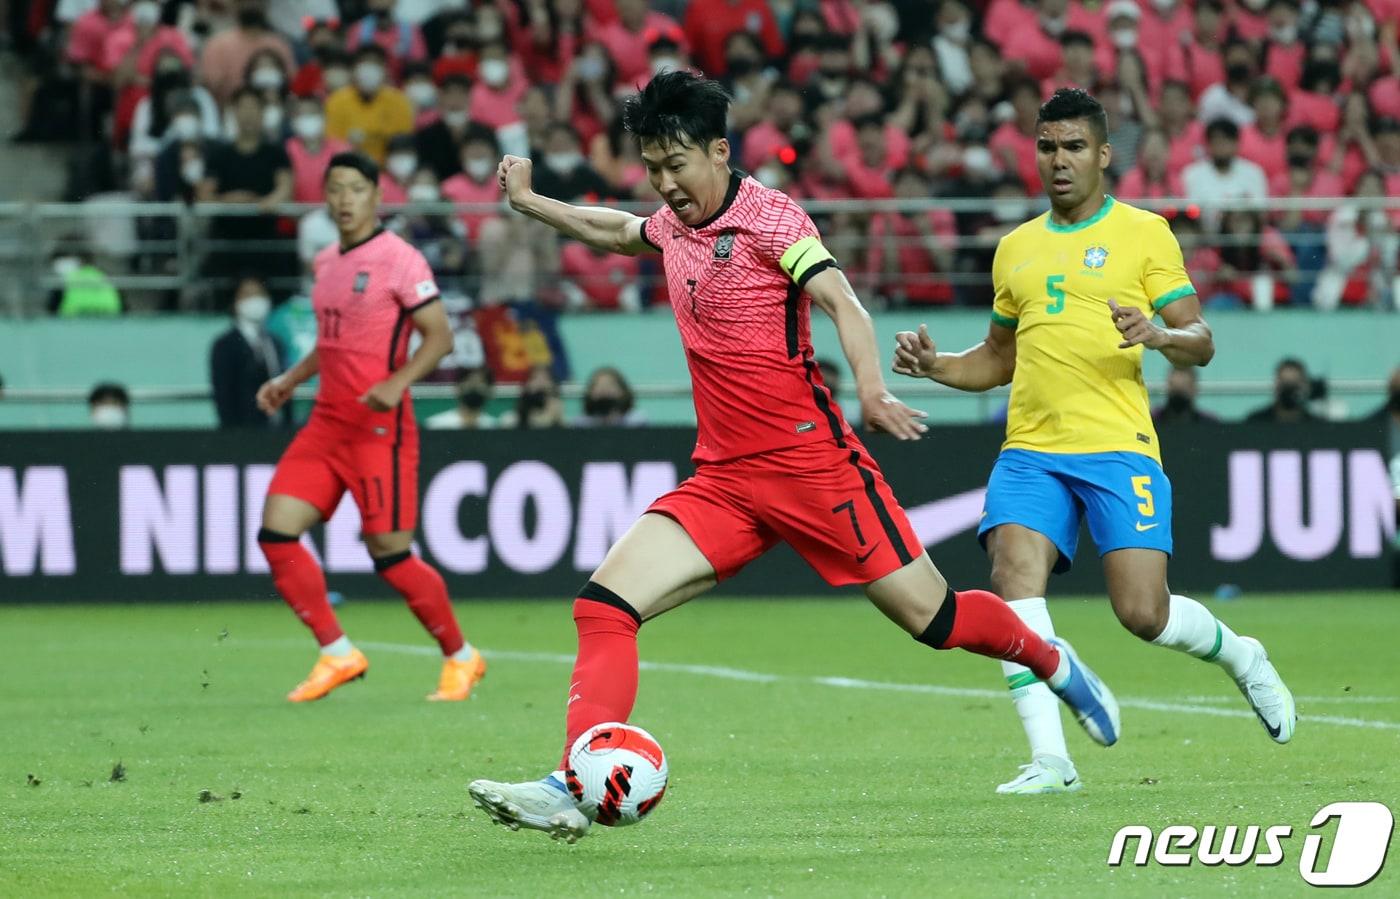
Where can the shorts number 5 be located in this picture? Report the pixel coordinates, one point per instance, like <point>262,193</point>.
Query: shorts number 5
<point>1142,486</point>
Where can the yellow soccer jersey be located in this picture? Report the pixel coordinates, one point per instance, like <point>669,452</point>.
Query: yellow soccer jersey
<point>1074,391</point>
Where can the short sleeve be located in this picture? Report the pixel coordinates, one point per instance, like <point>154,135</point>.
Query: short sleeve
<point>1005,310</point>
<point>416,287</point>
<point>648,224</point>
<point>1164,278</point>
<point>793,243</point>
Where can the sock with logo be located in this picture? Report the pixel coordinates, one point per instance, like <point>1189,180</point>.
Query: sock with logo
<point>1038,707</point>
<point>420,584</point>
<point>604,685</point>
<point>981,622</point>
<point>1192,629</point>
<point>301,583</point>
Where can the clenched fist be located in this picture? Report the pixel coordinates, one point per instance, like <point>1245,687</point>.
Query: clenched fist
<point>514,174</point>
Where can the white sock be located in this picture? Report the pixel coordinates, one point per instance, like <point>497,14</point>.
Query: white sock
<point>1038,707</point>
<point>1192,629</point>
<point>341,646</point>
<point>464,654</point>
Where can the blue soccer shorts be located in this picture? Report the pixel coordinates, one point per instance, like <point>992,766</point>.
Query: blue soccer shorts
<point>1125,497</point>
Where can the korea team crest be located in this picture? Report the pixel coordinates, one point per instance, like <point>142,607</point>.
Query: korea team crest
<point>1095,257</point>
<point>724,246</point>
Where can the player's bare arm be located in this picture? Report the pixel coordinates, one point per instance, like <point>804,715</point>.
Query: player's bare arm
<point>431,322</point>
<point>603,229</point>
<point>1185,340</point>
<point>831,291</point>
<point>989,364</point>
<point>274,393</point>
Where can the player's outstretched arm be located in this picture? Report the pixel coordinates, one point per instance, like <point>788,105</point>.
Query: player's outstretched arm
<point>603,229</point>
<point>833,293</point>
<point>1186,340</point>
<point>989,364</point>
<point>275,392</point>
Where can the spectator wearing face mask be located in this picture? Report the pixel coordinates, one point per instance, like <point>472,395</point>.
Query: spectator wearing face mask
<point>475,387</point>
<point>608,402</point>
<point>224,57</point>
<point>368,113</point>
<point>244,358</point>
<point>1229,99</point>
<point>501,83</point>
<point>708,24</point>
<point>422,93</point>
<point>566,176</point>
<point>1180,405</point>
<point>173,111</point>
<point>109,407</point>
<point>398,171</point>
<point>309,149</point>
<point>583,97</point>
<point>442,239</point>
<point>401,41</point>
<point>131,51</point>
<point>783,125</point>
<point>539,404</point>
<point>439,142</point>
<point>266,75</point>
<point>1291,391</point>
<point>626,40</point>
<point>476,183</point>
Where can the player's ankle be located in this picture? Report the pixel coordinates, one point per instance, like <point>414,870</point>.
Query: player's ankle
<point>339,647</point>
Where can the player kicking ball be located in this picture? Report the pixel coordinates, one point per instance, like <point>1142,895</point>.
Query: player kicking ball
<point>372,290</point>
<point>775,459</point>
<point>1075,290</point>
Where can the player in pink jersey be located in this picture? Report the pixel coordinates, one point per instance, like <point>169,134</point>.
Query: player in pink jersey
<point>372,290</point>
<point>775,460</point>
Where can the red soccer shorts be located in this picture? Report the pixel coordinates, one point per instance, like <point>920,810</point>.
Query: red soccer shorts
<point>829,503</point>
<point>323,462</point>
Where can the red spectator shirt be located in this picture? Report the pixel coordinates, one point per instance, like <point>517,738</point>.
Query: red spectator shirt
<point>745,324</point>
<point>628,49</point>
<point>309,169</point>
<point>1318,110</point>
<point>1324,184</point>
<point>915,268</point>
<point>1270,152</point>
<point>1134,185</point>
<point>462,189</point>
<point>497,108</point>
<point>601,278</point>
<point>1187,147</point>
<point>1008,140</point>
<point>1385,94</point>
<point>1285,62</point>
<point>402,43</point>
<point>120,42</point>
<point>87,38</point>
<point>846,149</point>
<point>761,144</point>
<point>364,298</point>
<point>708,24</point>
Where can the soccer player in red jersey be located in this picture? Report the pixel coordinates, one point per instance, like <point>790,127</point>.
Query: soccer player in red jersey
<point>775,459</point>
<point>372,289</point>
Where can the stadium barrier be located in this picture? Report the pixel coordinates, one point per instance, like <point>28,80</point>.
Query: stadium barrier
<point>173,516</point>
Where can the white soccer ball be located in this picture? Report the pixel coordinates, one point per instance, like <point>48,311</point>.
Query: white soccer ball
<point>617,773</point>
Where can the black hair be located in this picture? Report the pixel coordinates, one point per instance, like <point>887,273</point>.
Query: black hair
<point>1304,133</point>
<point>479,133</point>
<point>483,370</point>
<point>1291,362</point>
<point>678,108</point>
<point>1316,72</point>
<point>1074,36</point>
<point>1385,125</point>
<point>371,49</point>
<point>556,127</point>
<point>457,79</point>
<point>869,120</point>
<point>629,399</point>
<point>413,69</point>
<point>1209,4</point>
<point>401,142</point>
<point>109,391</point>
<point>1222,128</point>
<point>1264,86</point>
<point>353,160</point>
<point>1073,103</point>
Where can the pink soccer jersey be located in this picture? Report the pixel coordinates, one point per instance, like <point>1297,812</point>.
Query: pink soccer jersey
<point>364,298</point>
<point>746,324</point>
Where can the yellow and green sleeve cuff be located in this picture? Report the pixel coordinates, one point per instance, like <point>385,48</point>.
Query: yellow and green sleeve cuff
<point>1004,321</point>
<point>1171,296</point>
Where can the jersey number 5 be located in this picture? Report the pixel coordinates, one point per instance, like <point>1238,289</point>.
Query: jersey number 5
<point>1052,287</point>
<point>1142,486</point>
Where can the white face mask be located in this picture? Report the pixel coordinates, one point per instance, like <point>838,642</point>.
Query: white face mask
<point>64,266</point>
<point>266,79</point>
<point>272,119</point>
<point>192,170</point>
<point>109,417</point>
<point>480,169</point>
<point>335,79</point>
<point>1284,35</point>
<point>421,94</point>
<point>495,72</point>
<point>664,64</point>
<point>184,127</point>
<point>423,193</point>
<point>309,127</point>
<point>591,67</point>
<point>252,310</point>
<point>369,76</point>
<point>1008,210</point>
<point>958,32</point>
<point>978,160</point>
<point>145,14</point>
<point>456,119</point>
<point>562,163</point>
<point>1054,27</point>
<point>402,165</point>
<point>1164,6</point>
<point>1125,38</point>
<point>769,176</point>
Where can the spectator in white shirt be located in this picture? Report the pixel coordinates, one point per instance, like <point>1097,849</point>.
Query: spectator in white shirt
<point>1223,175</point>
<point>1229,99</point>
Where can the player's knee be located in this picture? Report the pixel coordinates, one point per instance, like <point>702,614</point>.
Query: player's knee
<point>592,596</point>
<point>1144,618</point>
<point>1017,575</point>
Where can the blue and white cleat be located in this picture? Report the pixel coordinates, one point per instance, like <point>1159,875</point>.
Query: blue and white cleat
<point>536,805</point>
<point>1088,698</point>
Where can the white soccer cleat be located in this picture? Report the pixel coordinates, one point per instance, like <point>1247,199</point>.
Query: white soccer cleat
<point>1268,695</point>
<point>536,805</point>
<point>1045,774</point>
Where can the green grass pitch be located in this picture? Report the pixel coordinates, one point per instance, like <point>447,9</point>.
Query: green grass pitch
<point>785,780</point>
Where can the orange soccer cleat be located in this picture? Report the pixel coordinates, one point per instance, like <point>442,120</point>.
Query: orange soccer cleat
<point>458,678</point>
<point>330,672</point>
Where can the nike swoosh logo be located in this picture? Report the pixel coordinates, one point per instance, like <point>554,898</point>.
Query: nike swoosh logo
<point>1273,731</point>
<point>1072,781</point>
<point>860,560</point>
<point>1145,527</point>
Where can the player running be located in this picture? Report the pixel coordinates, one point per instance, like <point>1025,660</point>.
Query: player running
<point>1074,292</point>
<point>372,289</point>
<point>775,459</point>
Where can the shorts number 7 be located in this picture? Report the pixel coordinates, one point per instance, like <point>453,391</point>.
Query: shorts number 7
<point>850,507</point>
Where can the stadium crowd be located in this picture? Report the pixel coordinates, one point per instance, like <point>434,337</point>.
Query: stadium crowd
<point>244,101</point>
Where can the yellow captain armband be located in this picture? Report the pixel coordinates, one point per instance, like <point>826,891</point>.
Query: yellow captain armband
<point>805,258</point>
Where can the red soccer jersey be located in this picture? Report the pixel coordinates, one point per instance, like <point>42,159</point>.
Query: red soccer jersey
<point>363,298</point>
<point>745,324</point>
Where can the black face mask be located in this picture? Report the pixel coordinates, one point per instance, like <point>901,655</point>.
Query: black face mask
<point>1291,397</point>
<point>1178,403</point>
<point>533,400</point>
<point>1394,403</point>
<point>601,406</point>
<point>1237,72</point>
<point>1300,160</point>
<point>252,18</point>
<point>472,398</point>
<point>741,67</point>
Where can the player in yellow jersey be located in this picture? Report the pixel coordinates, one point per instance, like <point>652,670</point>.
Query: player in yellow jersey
<point>1076,293</point>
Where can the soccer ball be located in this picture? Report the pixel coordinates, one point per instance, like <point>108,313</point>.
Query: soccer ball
<point>616,773</point>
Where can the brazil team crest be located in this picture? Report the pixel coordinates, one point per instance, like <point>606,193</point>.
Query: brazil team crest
<point>1095,257</point>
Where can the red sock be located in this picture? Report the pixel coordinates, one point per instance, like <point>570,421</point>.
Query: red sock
<point>604,684</point>
<point>423,588</point>
<point>302,584</point>
<point>981,622</point>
